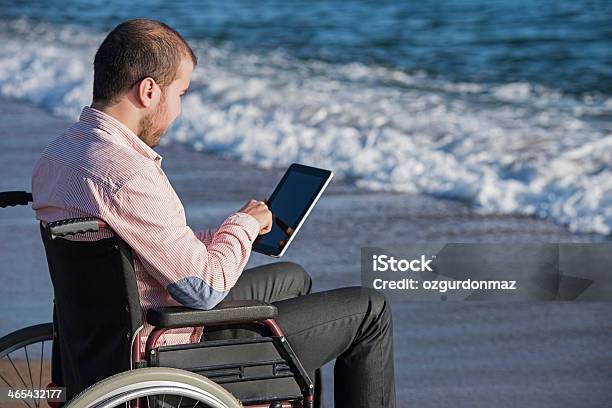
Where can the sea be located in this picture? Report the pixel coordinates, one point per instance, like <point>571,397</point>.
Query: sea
<point>431,111</point>
<point>505,105</point>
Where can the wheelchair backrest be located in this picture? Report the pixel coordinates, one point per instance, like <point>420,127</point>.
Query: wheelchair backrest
<point>97,309</point>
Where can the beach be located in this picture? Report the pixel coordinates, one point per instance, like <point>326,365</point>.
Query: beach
<point>444,122</point>
<point>461,354</point>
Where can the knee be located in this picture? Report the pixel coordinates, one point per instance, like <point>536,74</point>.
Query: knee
<point>377,302</point>
<point>298,275</point>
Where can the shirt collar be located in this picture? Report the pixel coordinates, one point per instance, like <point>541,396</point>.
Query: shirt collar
<point>100,120</point>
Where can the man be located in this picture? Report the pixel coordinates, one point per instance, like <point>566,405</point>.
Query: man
<point>105,166</point>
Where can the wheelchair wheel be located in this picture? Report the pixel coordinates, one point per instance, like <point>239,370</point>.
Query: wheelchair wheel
<point>161,387</point>
<point>25,359</point>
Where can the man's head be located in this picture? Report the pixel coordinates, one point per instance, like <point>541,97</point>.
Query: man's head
<point>141,69</point>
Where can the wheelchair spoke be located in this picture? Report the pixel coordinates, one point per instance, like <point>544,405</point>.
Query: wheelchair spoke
<point>17,371</point>
<point>42,355</point>
<point>7,383</point>
<point>11,387</point>
<point>15,349</point>
<point>4,379</point>
<point>28,363</point>
<point>36,401</point>
<point>16,376</point>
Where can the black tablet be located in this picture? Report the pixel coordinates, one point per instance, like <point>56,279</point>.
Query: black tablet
<point>290,203</point>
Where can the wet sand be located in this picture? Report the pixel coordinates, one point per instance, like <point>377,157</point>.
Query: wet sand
<point>32,379</point>
<point>532,354</point>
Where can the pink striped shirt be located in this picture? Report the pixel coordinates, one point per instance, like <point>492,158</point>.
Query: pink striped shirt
<point>98,167</point>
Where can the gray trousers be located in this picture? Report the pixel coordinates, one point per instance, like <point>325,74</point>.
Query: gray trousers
<point>352,325</point>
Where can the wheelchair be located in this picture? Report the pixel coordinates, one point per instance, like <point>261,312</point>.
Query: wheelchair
<point>95,338</point>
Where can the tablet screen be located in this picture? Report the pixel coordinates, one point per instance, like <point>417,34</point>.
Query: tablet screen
<point>289,203</point>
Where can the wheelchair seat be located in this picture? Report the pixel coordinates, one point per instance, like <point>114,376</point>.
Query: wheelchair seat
<point>97,318</point>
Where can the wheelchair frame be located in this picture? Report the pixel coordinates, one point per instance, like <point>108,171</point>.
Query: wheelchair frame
<point>164,319</point>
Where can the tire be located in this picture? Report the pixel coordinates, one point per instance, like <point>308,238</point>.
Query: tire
<point>154,381</point>
<point>25,337</point>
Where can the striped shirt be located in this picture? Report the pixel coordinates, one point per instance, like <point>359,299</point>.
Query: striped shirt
<point>100,168</point>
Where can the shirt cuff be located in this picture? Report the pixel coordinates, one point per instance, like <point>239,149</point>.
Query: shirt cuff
<point>248,222</point>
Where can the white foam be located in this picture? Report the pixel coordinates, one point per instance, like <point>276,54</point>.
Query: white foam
<point>510,148</point>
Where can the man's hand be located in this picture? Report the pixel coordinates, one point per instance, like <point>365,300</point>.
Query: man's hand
<point>262,214</point>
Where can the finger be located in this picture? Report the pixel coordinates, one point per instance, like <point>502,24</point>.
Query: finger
<point>266,228</point>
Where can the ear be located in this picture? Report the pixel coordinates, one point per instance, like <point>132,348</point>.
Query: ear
<point>147,91</point>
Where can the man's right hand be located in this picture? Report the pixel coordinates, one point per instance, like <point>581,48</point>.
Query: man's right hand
<point>259,210</point>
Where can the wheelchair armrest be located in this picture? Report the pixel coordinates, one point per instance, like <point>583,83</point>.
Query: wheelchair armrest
<point>230,311</point>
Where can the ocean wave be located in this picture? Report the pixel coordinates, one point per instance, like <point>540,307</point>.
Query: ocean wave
<point>506,148</point>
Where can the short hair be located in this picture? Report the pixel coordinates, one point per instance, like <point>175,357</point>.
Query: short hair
<point>134,50</point>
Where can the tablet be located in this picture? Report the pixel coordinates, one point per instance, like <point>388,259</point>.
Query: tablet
<point>290,203</point>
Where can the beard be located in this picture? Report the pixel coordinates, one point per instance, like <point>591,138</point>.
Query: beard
<point>150,129</point>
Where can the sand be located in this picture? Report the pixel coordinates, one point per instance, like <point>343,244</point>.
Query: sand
<point>460,354</point>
